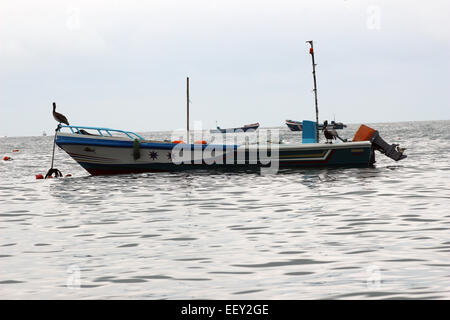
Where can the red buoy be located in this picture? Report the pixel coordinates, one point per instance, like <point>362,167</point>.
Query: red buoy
<point>39,176</point>
<point>6,158</point>
<point>15,150</point>
<point>68,175</point>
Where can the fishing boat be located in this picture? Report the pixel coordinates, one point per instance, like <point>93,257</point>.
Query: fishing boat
<point>297,125</point>
<point>244,128</point>
<point>103,151</point>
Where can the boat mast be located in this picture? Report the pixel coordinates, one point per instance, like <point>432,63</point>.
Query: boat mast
<point>311,51</point>
<point>187,106</point>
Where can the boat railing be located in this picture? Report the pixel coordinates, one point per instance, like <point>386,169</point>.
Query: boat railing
<point>102,131</point>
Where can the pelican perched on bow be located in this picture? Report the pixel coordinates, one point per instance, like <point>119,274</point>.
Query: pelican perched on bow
<point>58,116</point>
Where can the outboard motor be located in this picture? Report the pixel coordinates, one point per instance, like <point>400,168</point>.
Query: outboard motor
<point>393,151</point>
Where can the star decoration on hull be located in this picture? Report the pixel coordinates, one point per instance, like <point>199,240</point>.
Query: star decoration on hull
<point>154,155</point>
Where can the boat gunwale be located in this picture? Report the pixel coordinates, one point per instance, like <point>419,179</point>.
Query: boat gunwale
<point>84,139</point>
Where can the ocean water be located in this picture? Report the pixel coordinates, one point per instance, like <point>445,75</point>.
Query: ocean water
<point>365,233</point>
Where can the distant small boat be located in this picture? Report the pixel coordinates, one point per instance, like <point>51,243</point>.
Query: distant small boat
<point>297,125</point>
<point>245,128</point>
<point>44,133</point>
<point>294,125</point>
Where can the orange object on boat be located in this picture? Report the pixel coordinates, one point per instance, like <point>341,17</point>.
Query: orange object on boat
<point>178,141</point>
<point>200,142</point>
<point>364,133</point>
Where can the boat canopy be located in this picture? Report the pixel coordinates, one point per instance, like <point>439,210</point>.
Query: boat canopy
<point>101,131</point>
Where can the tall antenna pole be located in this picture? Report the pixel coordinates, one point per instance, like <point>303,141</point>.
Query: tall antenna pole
<point>311,51</point>
<point>187,105</point>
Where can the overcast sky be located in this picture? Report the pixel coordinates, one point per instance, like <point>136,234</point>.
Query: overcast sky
<point>123,64</point>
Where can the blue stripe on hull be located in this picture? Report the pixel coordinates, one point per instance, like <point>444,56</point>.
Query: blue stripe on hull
<point>63,140</point>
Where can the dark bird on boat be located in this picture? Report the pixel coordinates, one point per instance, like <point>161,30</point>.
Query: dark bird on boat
<point>58,116</point>
<point>329,134</point>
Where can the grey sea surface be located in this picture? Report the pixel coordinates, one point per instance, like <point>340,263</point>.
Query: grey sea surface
<point>342,233</point>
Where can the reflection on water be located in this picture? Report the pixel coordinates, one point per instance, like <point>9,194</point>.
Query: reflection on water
<point>372,233</point>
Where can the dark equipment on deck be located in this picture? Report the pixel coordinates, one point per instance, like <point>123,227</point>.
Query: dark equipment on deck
<point>82,131</point>
<point>331,134</point>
